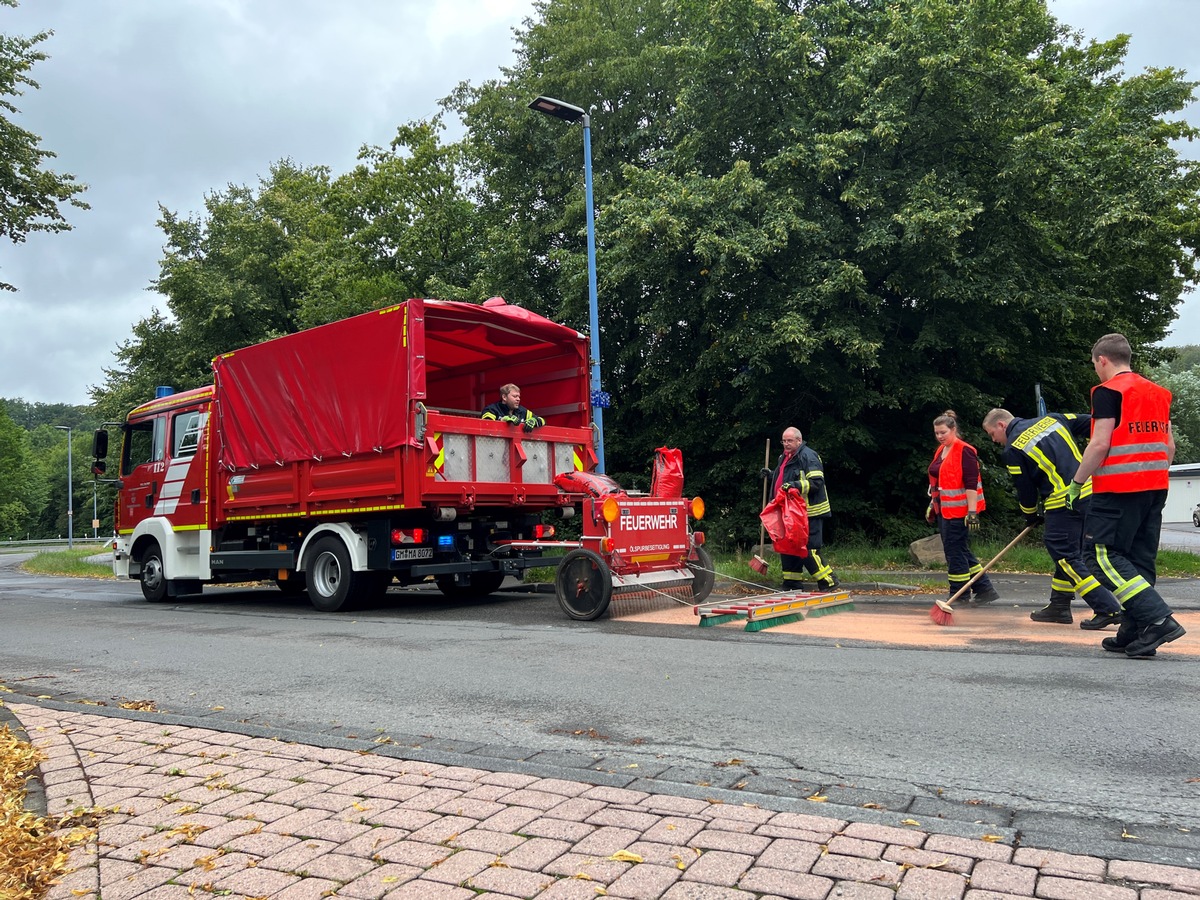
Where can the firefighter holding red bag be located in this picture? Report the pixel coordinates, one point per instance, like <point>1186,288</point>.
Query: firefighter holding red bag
<point>800,470</point>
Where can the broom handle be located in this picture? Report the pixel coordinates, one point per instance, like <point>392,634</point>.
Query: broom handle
<point>762,527</point>
<point>995,559</point>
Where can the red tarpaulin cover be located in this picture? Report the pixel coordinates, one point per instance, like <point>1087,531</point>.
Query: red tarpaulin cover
<point>348,387</point>
<point>786,521</point>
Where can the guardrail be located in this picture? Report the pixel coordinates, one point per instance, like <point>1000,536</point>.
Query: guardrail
<point>54,543</point>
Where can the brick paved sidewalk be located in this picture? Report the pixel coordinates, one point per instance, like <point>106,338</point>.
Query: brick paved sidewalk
<point>201,813</point>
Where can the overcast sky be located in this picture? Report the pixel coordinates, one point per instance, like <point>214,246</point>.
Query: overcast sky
<point>162,101</point>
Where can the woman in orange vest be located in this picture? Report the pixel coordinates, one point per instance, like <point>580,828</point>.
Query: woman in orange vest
<point>956,500</point>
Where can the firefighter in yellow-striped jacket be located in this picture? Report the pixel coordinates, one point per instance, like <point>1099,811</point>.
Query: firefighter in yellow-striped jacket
<point>1042,456</point>
<point>800,467</point>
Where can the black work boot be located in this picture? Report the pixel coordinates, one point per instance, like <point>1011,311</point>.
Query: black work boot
<point>1154,636</point>
<point>1124,637</point>
<point>988,595</point>
<point>1056,612</point>
<point>1100,621</point>
<point>790,584</point>
<point>828,584</point>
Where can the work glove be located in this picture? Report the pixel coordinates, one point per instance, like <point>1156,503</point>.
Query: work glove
<point>764,473</point>
<point>786,486</point>
<point>511,420</point>
<point>1033,520</point>
<point>1073,489</point>
<point>930,515</point>
<point>972,522</point>
<point>529,426</point>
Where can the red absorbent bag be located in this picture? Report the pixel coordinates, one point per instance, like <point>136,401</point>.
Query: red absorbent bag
<point>587,483</point>
<point>786,521</point>
<point>668,473</point>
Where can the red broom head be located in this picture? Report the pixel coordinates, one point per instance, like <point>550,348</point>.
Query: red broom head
<point>941,616</point>
<point>759,565</point>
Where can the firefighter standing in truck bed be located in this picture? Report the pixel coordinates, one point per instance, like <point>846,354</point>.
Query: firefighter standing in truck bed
<point>1042,456</point>
<point>800,467</point>
<point>509,409</point>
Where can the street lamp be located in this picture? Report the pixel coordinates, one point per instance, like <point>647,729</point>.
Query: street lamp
<point>70,491</point>
<point>572,114</point>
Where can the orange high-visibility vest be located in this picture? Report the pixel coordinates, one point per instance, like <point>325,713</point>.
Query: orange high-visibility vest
<point>1137,459</point>
<point>947,489</point>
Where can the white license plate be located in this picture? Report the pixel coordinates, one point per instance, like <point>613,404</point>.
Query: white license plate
<point>412,553</point>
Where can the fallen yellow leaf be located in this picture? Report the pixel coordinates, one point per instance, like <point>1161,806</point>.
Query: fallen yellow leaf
<point>992,838</point>
<point>626,856</point>
<point>817,798</point>
<point>909,822</point>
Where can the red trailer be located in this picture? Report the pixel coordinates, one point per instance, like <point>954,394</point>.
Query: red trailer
<point>342,458</point>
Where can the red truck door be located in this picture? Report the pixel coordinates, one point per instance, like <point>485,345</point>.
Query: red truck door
<point>143,462</point>
<point>162,469</point>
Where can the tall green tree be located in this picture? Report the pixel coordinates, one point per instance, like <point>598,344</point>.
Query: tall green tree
<point>229,278</point>
<point>31,195</point>
<point>847,216</point>
<point>301,249</point>
<point>23,488</point>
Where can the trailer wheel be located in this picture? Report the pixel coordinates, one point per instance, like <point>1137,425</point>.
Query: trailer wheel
<point>703,575</point>
<point>330,575</point>
<point>154,576</point>
<point>482,584</point>
<point>583,584</point>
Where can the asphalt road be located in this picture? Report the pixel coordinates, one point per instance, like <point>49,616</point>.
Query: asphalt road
<point>1049,728</point>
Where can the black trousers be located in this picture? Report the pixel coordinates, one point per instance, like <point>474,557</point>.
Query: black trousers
<point>1063,537</point>
<point>961,563</point>
<point>1120,544</point>
<point>794,567</point>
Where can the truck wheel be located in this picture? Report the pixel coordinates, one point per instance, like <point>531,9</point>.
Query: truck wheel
<point>703,575</point>
<point>154,576</point>
<point>583,585</point>
<point>330,576</point>
<point>482,584</point>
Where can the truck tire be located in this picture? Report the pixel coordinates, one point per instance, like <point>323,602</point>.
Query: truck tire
<point>583,585</point>
<point>482,584</point>
<point>153,576</point>
<point>703,575</point>
<point>332,584</point>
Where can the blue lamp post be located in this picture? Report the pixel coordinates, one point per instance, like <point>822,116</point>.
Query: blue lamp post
<point>572,114</point>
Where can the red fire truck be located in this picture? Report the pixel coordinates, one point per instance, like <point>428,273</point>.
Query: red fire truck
<point>338,460</point>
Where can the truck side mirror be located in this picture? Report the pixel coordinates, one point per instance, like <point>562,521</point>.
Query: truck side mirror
<point>100,444</point>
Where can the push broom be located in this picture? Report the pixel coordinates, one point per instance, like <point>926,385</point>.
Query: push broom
<point>942,613</point>
<point>759,564</point>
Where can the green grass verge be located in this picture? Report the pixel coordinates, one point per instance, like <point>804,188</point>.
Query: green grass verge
<point>857,561</point>
<point>69,562</point>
